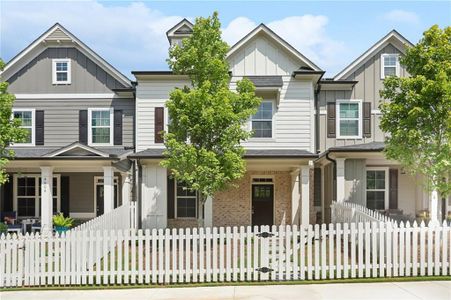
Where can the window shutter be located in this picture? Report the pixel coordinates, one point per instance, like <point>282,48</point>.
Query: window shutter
<point>65,195</point>
<point>171,198</point>
<point>159,124</point>
<point>39,127</point>
<point>367,119</point>
<point>117,127</point>
<point>317,186</point>
<point>7,195</point>
<point>331,128</point>
<point>393,189</point>
<point>83,127</point>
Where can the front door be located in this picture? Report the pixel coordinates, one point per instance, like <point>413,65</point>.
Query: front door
<point>262,204</point>
<point>100,195</point>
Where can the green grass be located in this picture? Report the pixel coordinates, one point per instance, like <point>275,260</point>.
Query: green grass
<point>244,283</point>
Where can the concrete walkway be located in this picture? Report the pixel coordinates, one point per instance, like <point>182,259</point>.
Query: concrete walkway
<point>427,290</point>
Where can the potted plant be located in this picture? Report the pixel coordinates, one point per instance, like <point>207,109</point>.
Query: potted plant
<point>61,223</point>
<point>448,218</point>
<point>3,228</point>
<point>423,215</point>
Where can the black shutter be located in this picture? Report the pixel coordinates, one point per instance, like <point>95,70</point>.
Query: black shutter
<point>39,127</point>
<point>7,195</point>
<point>118,127</point>
<point>171,198</point>
<point>83,127</point>
<point>317,186</point>
<point>159,124</point>
<point>367,119</point>
<point>65,195</point>
<point>331,131</point>
<point>393,189</point>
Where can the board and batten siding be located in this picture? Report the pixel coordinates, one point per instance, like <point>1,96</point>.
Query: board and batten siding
<point>87,76</point>
<point>293,118</point>
<point>61,117</point>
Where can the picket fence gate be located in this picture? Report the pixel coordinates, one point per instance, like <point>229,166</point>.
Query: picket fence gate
<point>228,254</point>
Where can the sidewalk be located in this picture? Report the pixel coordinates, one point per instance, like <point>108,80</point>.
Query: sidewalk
<point>427,290</point>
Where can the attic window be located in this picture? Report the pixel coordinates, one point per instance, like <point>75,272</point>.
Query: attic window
<point>61,71</point>
<point>389,65</point>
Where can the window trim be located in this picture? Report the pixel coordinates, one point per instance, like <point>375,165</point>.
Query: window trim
<point>33,125</point>
<point>90,110</point>
<point>338,119</point>
<point>272,137</point>
<point>69,71</point>
<point>397,66</point>
<point>175,204</point>
<point>387,188</point>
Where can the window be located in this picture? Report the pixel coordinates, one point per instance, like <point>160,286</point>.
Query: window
<point>349,120</point>
<point>186,201</point>
<point>61,71</point>
<point>262,120</point>
<point>389,65</point>
<point>26,117</point>
<point>377,188</point>
<point>100,126</point>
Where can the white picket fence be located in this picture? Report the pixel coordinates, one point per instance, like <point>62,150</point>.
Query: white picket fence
<point>225,254</point>
<point>347,212</point>
<point>120,218</point>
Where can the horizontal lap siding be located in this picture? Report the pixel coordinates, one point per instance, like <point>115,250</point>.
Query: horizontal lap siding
<point>61,117</point>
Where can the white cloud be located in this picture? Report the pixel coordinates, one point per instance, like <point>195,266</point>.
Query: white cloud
<point>132,36</point>
<point>402,16</point>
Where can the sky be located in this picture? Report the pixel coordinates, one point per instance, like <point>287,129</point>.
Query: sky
<point>131,35</point>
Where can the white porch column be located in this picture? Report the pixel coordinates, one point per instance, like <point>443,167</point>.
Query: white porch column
<point>340,179</point>
<point>46,200</point>
<point>154,196</point>
<point>433,208</point>
<point>108,189</point>
<point>295,197</point>
<point>305,194</point>
<point>208,209</point>
<point>126,187</point>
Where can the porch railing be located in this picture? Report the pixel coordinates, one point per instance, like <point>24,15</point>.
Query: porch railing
<point>120,218</point>
<point>347,212</point>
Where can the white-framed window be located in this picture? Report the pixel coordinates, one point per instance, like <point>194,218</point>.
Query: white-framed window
<point>185,201</point>
<point>389,65</point>
<point>349,119</point>
<point>262,121</point>
<point>100,126</point>
<point>377,188</point>
<point>61,71</point>
<point>27,120</point>
<point>27,194</point>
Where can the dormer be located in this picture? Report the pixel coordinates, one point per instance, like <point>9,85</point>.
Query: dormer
<point>181,30</point>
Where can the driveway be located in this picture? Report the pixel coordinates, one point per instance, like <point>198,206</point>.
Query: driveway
<point>427,290</point>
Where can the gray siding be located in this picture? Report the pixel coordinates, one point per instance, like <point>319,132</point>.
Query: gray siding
<point>355,181</point>
<point>87,76</point>
<point>61,117</point>
<point>367,89</point>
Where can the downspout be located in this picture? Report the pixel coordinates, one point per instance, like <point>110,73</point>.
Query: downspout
<point>139,195</point>
<point>334,174</point>
<point>317,133</point>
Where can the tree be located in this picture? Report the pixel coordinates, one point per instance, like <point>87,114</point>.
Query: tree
<point>207,119</point>
<point>10,131</point>
<point>418,115</point>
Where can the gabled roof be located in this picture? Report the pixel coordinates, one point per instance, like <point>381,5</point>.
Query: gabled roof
<point>262,28</point>
<point>391,36</point>
<point>58,34</point>
<point>75,149</point>
<point>182,28</point>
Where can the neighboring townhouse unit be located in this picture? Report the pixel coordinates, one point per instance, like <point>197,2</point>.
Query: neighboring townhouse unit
<point>276,188</point>
<point>352,166</point>
<point>79,114</point>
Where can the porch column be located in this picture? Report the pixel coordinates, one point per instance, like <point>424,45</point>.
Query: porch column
<point>208,209</point>
<point>305,194</point>
<point>340,179</point>
<point>108,189</point>
<point>295,197</point>
<point>433,208</point>
<point>46,200</point>
<point>126,187</point>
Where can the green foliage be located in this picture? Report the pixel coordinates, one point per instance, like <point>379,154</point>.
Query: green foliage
<point>3,228</point>
<point>207,118</point>
<point>61,221</point>
<point>10,131</point>
<point>418,115</point>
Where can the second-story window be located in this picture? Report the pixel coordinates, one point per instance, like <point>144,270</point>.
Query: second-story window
<point>262,120</point>
<point>61,69</point>
<point>100,126</point>
<point>26,117</point>
<point>389,65</point>
<point>349,121</point>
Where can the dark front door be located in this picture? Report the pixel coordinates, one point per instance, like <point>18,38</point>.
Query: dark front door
<point>262,204</point>
<point>100,197</point>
